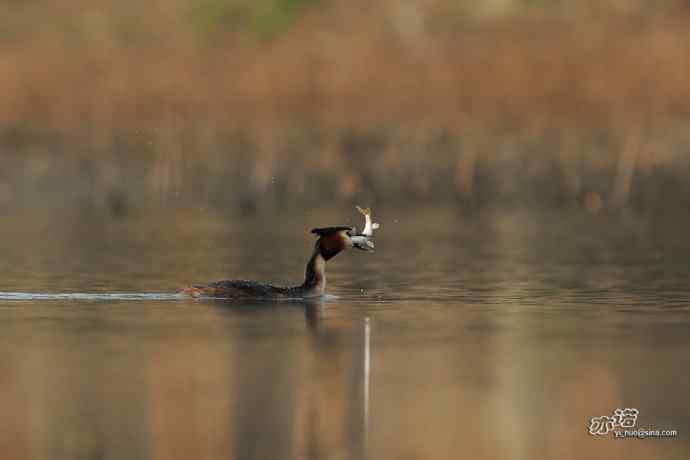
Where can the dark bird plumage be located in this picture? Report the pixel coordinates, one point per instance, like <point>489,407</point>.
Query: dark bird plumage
<point>330,242</point>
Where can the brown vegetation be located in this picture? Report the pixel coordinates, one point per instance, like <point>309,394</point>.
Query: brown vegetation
<point>347,103</point>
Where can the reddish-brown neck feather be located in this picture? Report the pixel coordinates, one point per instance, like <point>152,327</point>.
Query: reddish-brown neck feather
<point>331,245</point>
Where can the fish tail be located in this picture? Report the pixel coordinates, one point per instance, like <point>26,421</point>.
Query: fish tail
<point>364,211</point>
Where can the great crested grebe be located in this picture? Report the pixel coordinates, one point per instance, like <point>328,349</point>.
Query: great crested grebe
<point>330,242</point>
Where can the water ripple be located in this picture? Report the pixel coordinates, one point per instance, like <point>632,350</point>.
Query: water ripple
<point>89,296</point>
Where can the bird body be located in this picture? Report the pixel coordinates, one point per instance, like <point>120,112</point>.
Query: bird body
<point>331,241</point>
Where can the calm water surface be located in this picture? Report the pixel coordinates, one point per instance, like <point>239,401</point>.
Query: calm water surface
<point>490,337</point>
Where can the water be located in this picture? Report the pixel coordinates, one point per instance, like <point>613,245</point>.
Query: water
<point>490,337</point>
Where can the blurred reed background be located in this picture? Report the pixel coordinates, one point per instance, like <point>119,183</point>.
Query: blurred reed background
<point>249,105</point>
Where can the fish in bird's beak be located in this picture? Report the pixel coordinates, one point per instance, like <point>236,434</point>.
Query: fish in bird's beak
<point>362,243</point>
<point>362,240</point>
<point>369,225</point>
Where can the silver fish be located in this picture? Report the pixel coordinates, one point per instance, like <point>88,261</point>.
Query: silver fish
<point>369,226</point>
<point>362,239</point>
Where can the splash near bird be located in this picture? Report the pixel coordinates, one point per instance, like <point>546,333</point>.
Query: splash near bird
<point>330,242</point>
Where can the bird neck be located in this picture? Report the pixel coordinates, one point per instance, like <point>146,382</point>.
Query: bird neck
<point>315,273</point>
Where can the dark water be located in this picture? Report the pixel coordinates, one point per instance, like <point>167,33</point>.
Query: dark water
<point>491,337</point>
